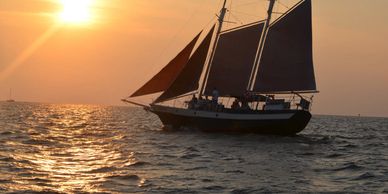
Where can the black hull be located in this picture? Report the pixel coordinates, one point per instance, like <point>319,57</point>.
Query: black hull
<point>290,126</point>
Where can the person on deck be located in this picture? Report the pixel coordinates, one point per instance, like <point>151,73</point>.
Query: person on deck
<point>200,103</point>
<point>247,97</point>
<point>215,95</point>
<point>236,104</point>
<point>193,102</point>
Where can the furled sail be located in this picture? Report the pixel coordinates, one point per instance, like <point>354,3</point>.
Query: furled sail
<point>188,78</point>
<point>287,62</point>
<point>233,60</point>
<point>168,74</point>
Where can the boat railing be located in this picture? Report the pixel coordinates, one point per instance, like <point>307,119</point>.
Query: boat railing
<point>232,104</point>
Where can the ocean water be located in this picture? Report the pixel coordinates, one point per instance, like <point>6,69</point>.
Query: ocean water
<point>51,148</point>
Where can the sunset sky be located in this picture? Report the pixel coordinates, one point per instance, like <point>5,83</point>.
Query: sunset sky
<point>99,51</point>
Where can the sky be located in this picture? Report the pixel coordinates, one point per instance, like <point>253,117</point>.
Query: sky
<point>123,43</point>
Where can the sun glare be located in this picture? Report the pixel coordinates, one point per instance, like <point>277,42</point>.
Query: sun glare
<point>76,11</point>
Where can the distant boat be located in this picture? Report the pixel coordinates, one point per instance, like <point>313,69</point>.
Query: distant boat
<point>265,68</point>
<point>10,97</point>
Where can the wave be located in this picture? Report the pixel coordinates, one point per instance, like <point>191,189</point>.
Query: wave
<point>190,156</point>
<point>191,149</point>
<point>40,180</point>
<point>8,159</point>
<point>214,188</point>
<point>3,181</point>
<point>125,177</point>
<point>7,133</point>
<point>207,180</point>
<point>306,154</point>
<point>196,168</point>
<point>365,176</point>
<point>334,155</point>
<point>36,192</point>
<point>137,164</point>
<point>349,166</point>
<point>103,170</point>
<point>235,171</point>
<point>242,191</point>
<point>38,142</point>
<point>65,155</point>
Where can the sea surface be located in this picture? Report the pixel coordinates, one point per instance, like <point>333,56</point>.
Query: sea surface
<point>50,148</point>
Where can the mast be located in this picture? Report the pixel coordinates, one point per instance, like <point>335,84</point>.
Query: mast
<point>220,22</point>
<point>261,45</point>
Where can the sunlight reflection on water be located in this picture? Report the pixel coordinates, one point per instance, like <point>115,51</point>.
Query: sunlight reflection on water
<point>68,148</point>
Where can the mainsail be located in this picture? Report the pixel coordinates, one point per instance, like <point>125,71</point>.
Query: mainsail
<point>188,78</point>
<point>286,63</point>
<point>168,74</point>
<point>233,60</point>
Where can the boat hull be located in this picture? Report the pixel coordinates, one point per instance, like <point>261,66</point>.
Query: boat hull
<point>288,122</point>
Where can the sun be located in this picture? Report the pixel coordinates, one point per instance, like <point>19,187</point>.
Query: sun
<point>75,11</point>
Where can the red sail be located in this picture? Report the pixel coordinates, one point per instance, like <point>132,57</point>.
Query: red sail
<point>188,79</point>
<point>169,73</point>
<point>287,59</point>
<point>233,60</point>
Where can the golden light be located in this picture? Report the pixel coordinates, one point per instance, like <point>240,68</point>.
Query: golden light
<point>76,11</point>
<point>27,52</point>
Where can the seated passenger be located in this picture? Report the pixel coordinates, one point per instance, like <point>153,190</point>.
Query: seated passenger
<point>201,103</point>
<point>245,105</point>
<point>193,102</point>
<point>215,95</point>
<point>236,104</point>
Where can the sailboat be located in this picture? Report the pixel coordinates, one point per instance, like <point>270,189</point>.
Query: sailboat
<point>10,97</point>
<point>255,78</point>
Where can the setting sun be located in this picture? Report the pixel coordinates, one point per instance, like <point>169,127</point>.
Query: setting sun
<point>75,11</point>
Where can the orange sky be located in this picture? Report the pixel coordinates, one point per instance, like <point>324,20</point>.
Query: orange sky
<point>130,40</point>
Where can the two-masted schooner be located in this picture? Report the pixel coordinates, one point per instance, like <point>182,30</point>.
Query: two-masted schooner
<point>254,78</point>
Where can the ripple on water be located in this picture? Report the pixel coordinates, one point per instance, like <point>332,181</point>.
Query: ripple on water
<point>39,142</point>
<point>351,166</point>
<point>196,168</point>
<point>190,156</point>
<point>334,155</point>
<point>234,172</point>
<point>131,177</point>
<point>5,133</point>
<point>243,191</point>
<point>102,170</point>
<point>139,164</point>
<point>365,176</point>
<point>214,188</point>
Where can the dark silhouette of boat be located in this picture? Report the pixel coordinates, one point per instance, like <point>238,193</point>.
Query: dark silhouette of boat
<point>265,68</point>
<point>10,97</point>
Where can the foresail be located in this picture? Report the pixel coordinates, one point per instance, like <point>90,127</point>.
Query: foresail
<point>169,73</point>
<point>233,60</point>
<point>287,61</point>
<point>188,78</point>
